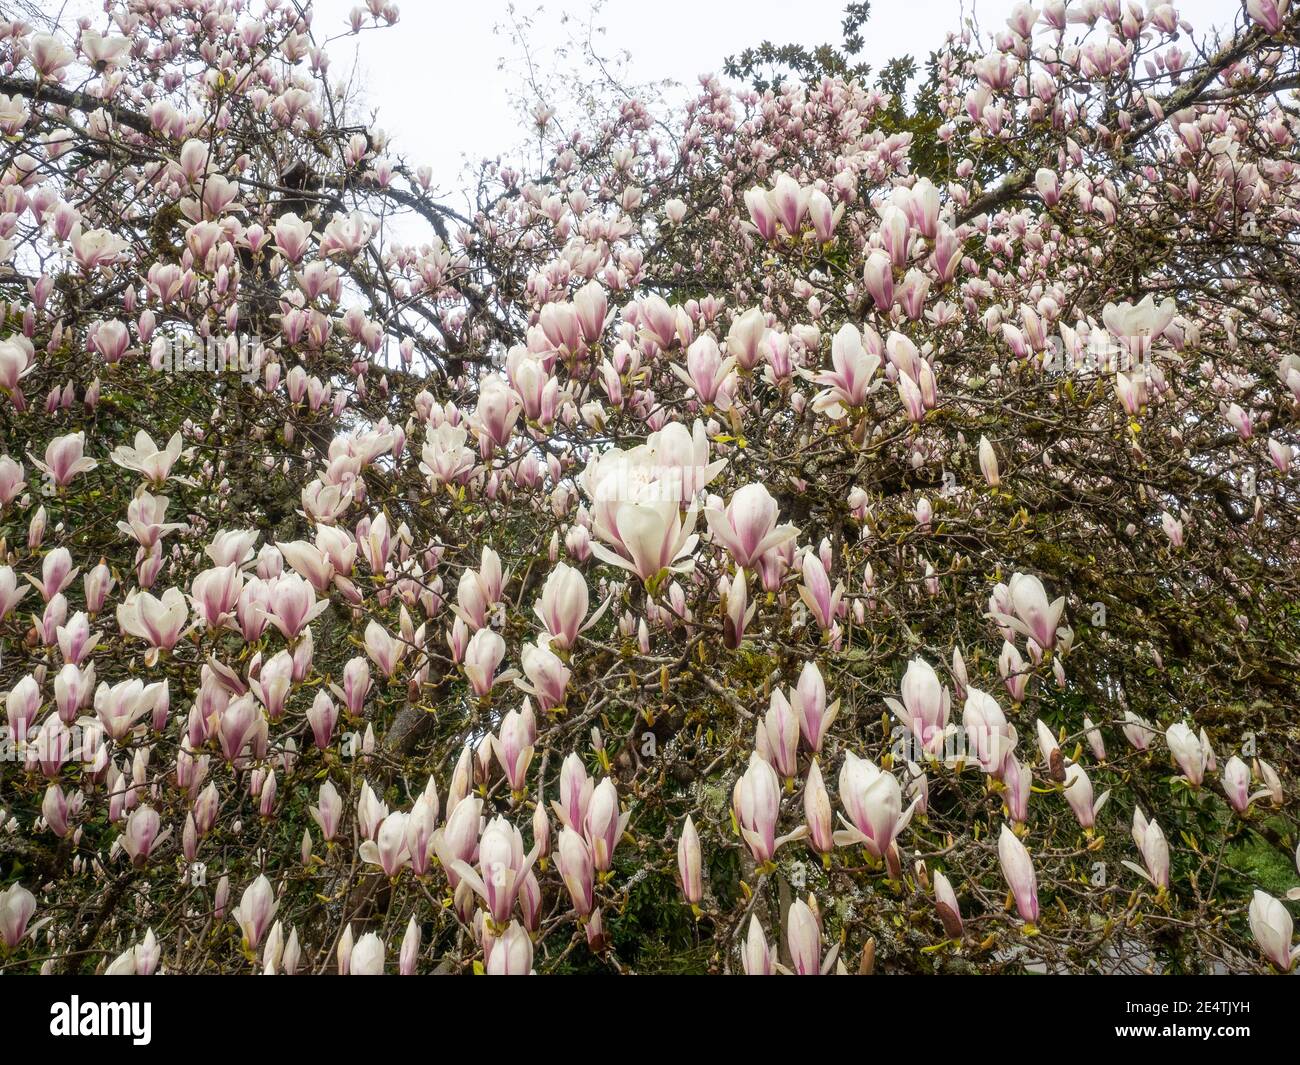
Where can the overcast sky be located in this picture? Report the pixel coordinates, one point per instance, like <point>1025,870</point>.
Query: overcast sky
<point>437,82</point>
<point>443,78</point>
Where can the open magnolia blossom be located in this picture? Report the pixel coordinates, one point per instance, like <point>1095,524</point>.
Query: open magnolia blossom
<point>786,526</point>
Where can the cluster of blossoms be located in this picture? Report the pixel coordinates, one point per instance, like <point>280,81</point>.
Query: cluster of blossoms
<point>788,532</point>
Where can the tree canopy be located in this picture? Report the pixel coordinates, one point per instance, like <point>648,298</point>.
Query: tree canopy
<point>840,520</point>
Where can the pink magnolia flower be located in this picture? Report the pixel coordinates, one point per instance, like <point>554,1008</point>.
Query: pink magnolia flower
<point>818,813</point>
<point>483,654</point>
<point>328,810</point>
<point>645,537</point>
<point>96,247</point>
<point>1271,925</point>
<point>12,479</point>
<point>293,605</point>
<point>873,801</point>
<point>912,399</point>
<point>10,594</point>
<point>562,608</point>
<point>548,676</point>
<point>576,788</point>
<point>1189,752</point>
<point>499,407</point>
<point>240,724</point>
<point>822,601</point>
<point>577,869</point>
<point>591,305</point>
<point>22,704</point>
<point>852,375</point>
<point>756,954</point>
<point>1014,671</point>
<point>385,650</point>
<point>309,561</point>
<point>64,459</point>
<point>97,582</point>
<point>809,702</point>
<point>256,909</point>
<point>926,705</point>
<point>804,938</point>
<point>1018,782</point>
<point>292,236</point>
<point>146,519</point>
<point>457,840</point>
<point>778,736</point>
<point>110,339</point>
<point>356,685</point>
<point>421,825</point>
<point>322,716</point>
<point>513,747</point>
<point>604,825</point>
<point>57,572</point>
<point>761,212</point>
<point>159,621</point>
<point>473,600</point>
<point>141,836</point>
<point>367,956</point>
<point>945,902</point>
<point>1153,847</point>
<point>145,457</point>
<point>1079,794</point>
<point>232,547</point>
<point>445,459</point>
<point>1018,869</point>
<point>745,338</point>
<point>1268,13</point>
<point>273,683</point>
<point>1236,784</point>
<point>988,736</point>
<point>389,849</point>
<point>1173,529</point>
<point>17,360</point>
<point>122,705</point>
<point>738,611</point>
<point>707,372</point>
<point>823,214</point>
<point>559,322</point>
<point>215,593</point>
<point>503,867</point>
<point>17,905</point>
<point>748,527</point>
<point>989,463</point>
<point>1033,615</point>
<point>756,803</point>
<point>1138,731</point>
<point>878,277</point>
<point>511,954</point>
<point>690,863</point>
<point>1237,779</point>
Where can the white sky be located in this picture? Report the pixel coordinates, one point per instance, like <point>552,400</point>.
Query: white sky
<point>442,95</point>
<point>442,79</point>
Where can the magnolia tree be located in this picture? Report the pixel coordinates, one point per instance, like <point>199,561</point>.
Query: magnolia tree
<point>794,529</point>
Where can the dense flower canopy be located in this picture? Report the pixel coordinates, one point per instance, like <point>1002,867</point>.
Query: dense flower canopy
<point>792,529</point>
